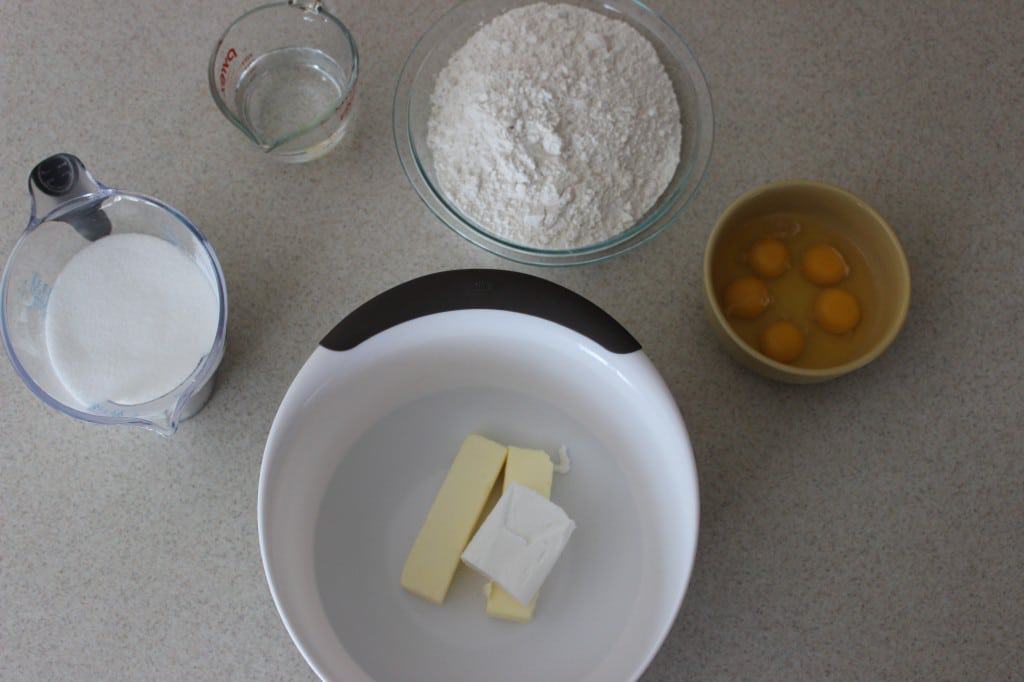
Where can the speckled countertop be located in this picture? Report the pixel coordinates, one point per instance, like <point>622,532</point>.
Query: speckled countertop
<point>870,528</point>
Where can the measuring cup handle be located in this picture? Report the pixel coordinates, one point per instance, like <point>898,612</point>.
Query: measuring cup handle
<point>60,179</point>
<point>313,6</point>
<point>62,176</point>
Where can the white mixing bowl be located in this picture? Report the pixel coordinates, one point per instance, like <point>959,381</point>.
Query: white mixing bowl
<point>365,435</point>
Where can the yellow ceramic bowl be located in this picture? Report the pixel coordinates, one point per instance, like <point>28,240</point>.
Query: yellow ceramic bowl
<point>860,224</point>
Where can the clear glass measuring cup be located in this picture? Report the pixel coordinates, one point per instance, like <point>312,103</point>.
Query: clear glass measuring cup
<point>285,75</point>
<point>70,210</point>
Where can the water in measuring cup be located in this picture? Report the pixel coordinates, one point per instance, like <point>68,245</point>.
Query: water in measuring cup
<point>288,89</point>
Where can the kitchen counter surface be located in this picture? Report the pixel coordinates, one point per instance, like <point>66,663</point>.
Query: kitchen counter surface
<point>869,528</point>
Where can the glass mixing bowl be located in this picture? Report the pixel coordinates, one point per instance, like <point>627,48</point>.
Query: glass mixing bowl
<point>412,110</point>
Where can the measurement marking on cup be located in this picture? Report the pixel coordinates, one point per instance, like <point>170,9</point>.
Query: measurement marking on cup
<point>228,58</point>
<point>37,292</point>
<point>346,106</point>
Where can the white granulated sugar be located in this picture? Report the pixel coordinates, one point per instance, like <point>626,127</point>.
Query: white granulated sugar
<point>555,127</point>
<point>129,318</point>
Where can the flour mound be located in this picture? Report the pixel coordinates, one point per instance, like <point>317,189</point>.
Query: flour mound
<point>554,127</point>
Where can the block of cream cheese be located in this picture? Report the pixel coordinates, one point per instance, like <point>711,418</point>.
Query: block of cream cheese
<point>456,510</point>
<point>534,469</point>
<point>520,541</point>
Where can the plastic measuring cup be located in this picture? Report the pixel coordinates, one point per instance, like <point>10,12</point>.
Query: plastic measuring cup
<point>71,209</point>
<point>285,75</point>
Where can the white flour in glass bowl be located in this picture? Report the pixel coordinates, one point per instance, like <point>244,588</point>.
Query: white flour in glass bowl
<point>554,127</point>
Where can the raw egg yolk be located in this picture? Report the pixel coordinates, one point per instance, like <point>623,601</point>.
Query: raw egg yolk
<point>768,257</point>
<point>836,311</point>
<point>747,298</point>
<point>824,265</point>
<point>782,341</point>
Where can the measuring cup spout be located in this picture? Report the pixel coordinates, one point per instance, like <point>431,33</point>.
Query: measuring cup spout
<point>164,424</point>
<point>62,182</point>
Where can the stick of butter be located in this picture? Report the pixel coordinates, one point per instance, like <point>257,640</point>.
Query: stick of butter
<point>453,516</point>
<point>533,469</point>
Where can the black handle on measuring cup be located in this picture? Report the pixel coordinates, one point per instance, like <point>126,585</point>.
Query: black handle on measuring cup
<point>63,177</point>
